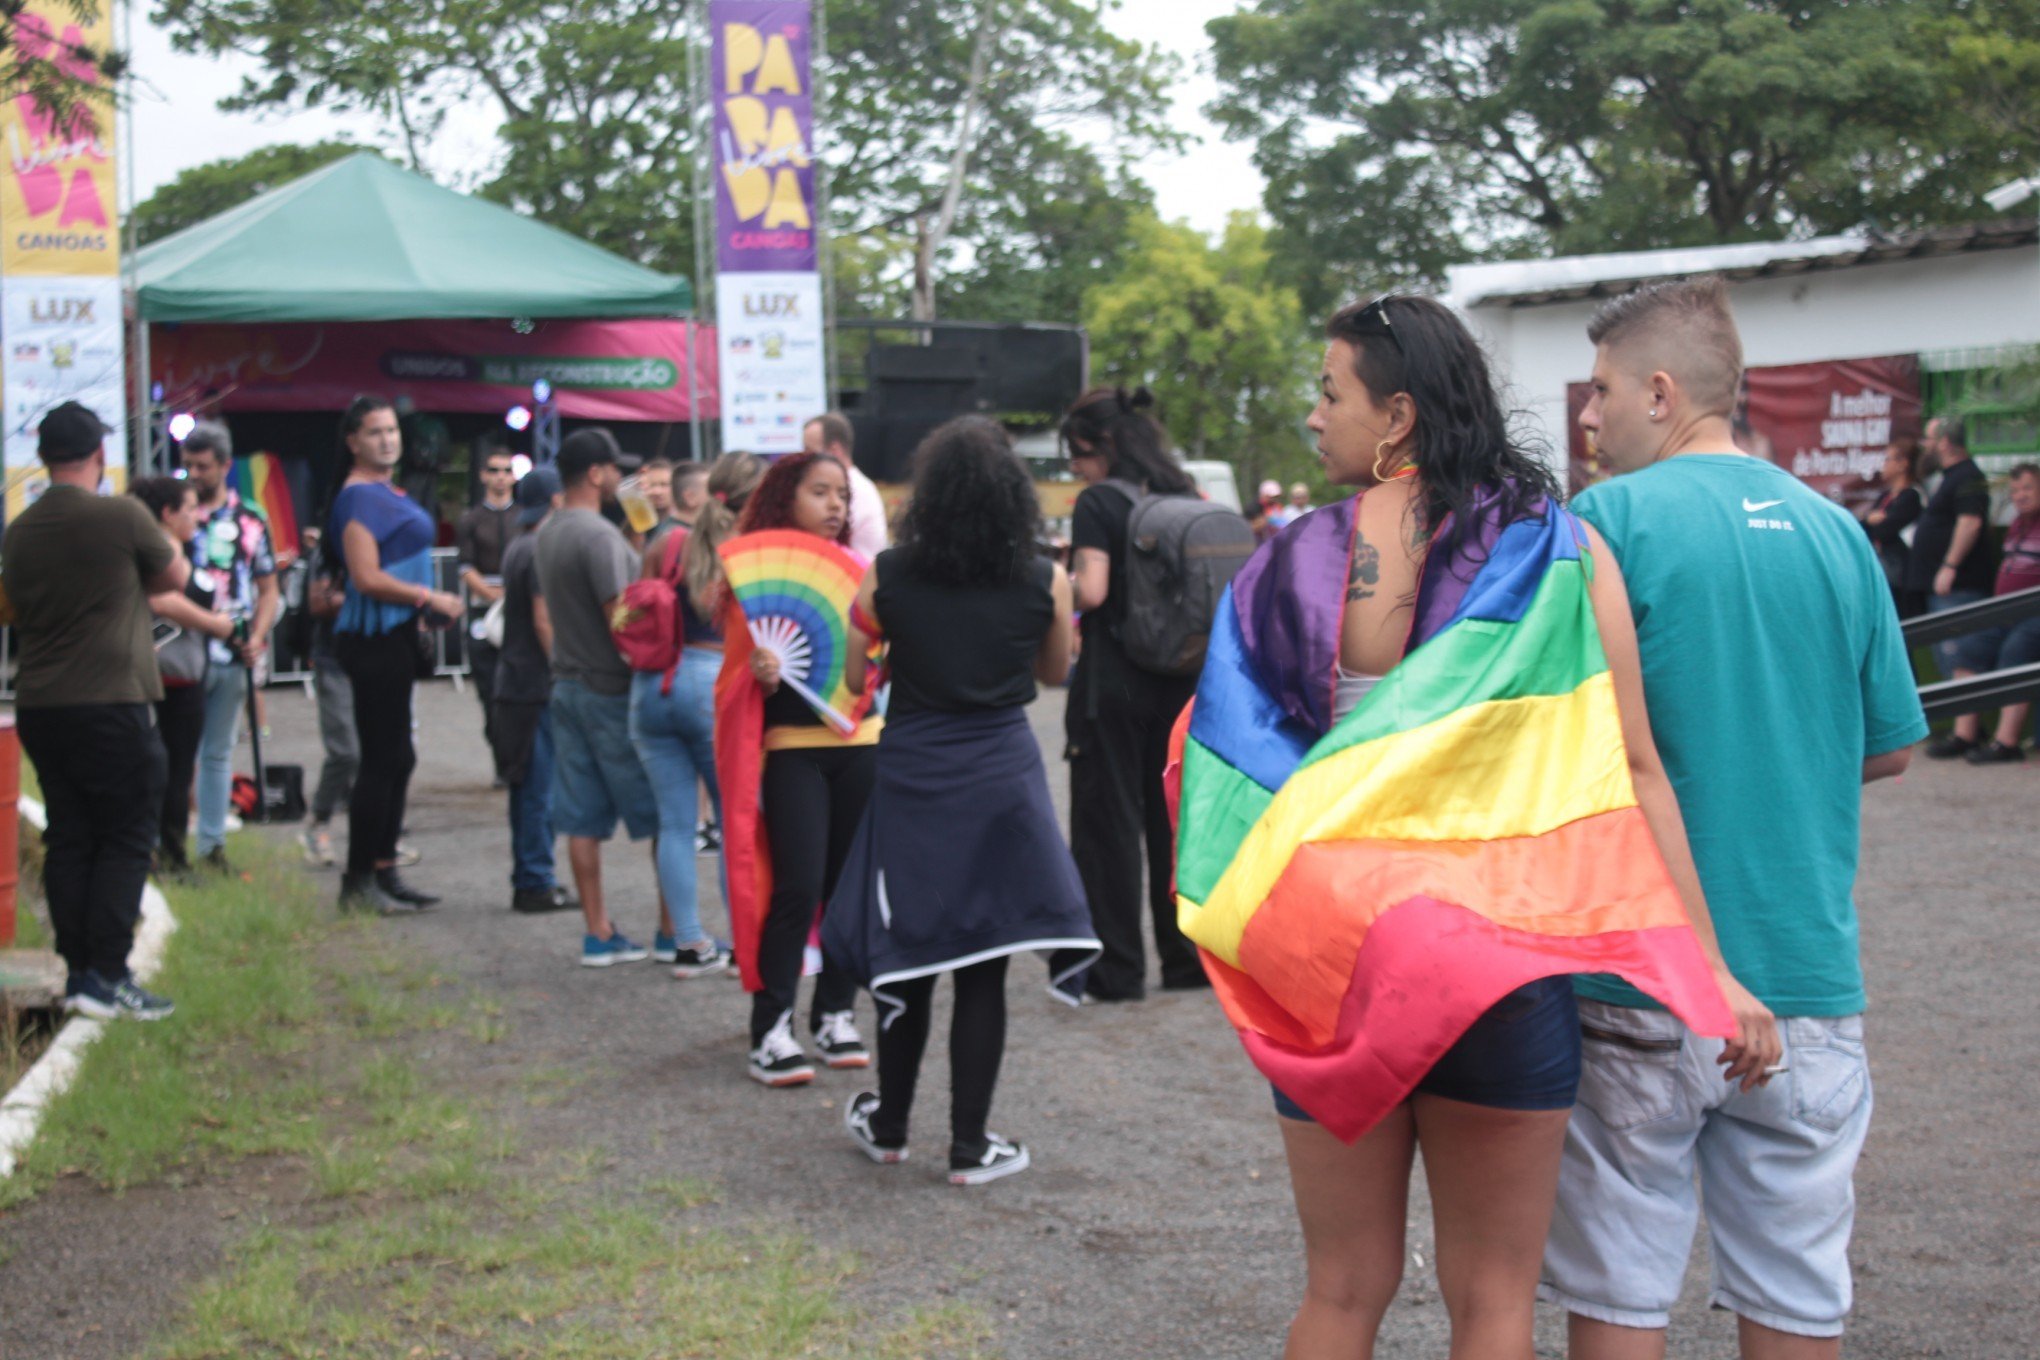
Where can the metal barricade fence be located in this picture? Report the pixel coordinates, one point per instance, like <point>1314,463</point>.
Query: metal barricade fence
<point>1991,689</point>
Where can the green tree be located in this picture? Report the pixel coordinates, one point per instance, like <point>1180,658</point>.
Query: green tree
<point>1208,328</point>
<point>208,190</point>
<point>598,139</point>
<point>1404,136</point>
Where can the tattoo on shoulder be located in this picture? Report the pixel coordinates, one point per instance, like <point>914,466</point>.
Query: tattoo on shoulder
<point>1365,572</point>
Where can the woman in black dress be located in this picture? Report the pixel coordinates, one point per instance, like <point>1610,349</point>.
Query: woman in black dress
<point>958,864</point>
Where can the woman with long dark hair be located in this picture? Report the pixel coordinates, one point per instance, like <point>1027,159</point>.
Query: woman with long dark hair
<point>959,864</point>
<point>1118,717</point>
<point>385,543</point>
<point>1418,792</point>
<point>180,713</point>
<point>794,790</point>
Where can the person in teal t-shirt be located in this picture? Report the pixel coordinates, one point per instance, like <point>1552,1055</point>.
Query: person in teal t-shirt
<point>1776,684</point>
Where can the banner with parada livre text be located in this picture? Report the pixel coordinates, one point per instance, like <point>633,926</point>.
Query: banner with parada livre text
<point>774,373</point>
<point>61,337</point>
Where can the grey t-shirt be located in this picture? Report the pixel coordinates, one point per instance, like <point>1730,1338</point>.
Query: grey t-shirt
<point>523,675</point>
<point>584,564</point>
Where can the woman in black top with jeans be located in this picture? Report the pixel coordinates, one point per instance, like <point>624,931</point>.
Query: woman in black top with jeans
<point>958,863</point>
<point>1119,716</point>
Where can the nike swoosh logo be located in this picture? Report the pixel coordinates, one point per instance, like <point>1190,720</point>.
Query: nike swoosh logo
<point>1751,507</point>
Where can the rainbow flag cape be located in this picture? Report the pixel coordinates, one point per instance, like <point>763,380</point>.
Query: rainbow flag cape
<point>1362,892</point>
<point>260,480</point>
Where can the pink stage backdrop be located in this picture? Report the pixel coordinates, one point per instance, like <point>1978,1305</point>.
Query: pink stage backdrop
<point>600,370</point>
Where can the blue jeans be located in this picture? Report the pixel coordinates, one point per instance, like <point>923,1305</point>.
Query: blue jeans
<point>531,827</point>
<point>598,779</point>
<point>674,735</point>
<point>226,689</point>
<point>1948,655</point>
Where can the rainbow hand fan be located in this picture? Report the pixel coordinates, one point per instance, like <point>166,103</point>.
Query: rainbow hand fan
<point>795,590</point>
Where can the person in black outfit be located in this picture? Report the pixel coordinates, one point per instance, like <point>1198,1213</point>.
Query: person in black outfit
<point>1952,562</point>
<point>960,824</point>
<point>1119,716</point>
<point>80,569</point>
<point>1896,510</point>
<point>481,537</point>
<point>182,661</point>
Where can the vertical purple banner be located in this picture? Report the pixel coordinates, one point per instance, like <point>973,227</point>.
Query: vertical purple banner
<point>761,78</point>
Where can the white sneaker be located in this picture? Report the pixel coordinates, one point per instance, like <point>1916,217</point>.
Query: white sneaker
<point>840,1044</point>
<point>779,1060</point>
<point>407,854</point>
<point>317,843</point>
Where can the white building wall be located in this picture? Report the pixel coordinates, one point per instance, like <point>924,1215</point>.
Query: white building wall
<point>1956,302</point>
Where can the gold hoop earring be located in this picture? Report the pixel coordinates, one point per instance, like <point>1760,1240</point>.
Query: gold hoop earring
<point>1381,451</point>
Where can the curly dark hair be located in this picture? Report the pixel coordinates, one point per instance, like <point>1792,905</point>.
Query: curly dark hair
<point>771,505</point>
<point>974,516</point>
<point>1465,451</point>
<point>161,493</point>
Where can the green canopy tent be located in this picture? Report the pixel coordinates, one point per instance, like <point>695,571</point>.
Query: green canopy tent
<point>362,240</point>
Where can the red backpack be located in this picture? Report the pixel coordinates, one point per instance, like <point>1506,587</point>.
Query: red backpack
<point>646,620</point>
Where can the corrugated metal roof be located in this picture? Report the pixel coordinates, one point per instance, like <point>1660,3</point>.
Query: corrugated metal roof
<point>1532,283</point>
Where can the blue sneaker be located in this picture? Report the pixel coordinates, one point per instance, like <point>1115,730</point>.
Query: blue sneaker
<point>599,953</point>
<point>665,948</point>
<point>94,996</point>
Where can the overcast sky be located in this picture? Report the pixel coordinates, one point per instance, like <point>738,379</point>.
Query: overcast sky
<point>176,124</point>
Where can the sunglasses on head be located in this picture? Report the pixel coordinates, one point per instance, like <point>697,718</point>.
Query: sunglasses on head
<point>1376,313</point>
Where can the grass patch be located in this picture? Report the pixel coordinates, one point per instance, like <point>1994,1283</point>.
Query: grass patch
<point>423,1228</point>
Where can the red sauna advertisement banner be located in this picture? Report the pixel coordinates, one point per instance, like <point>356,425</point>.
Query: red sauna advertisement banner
<point>600,370</point>
<point>1825,423</point>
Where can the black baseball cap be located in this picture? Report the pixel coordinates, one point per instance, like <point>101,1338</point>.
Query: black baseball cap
<point>69,434</point>
<point>589,448</point>
<point>535,490</point>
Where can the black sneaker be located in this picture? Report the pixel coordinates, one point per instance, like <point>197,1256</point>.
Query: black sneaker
<point>857,1119</point>
<point>123,1000</point>
<point>1000,1158</point>
<point>215,861</point>
<point>707,838</point>
<point>778,1059</point>
<point>533,901</point>
<point>395,887</point>
<point>1949,747</point>
<point>363,895</point>
<point>839,1043</point>
<point>700,960</point>
<point>1995,753</point>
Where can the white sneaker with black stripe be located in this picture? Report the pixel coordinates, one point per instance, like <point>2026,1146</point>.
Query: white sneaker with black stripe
<point>1000,1158</point>
<point>779,1060</point>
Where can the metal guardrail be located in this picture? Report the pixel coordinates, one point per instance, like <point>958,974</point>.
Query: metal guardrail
<point>1992,689</point>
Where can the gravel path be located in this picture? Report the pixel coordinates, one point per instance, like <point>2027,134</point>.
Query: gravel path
<point>1157,1220</point>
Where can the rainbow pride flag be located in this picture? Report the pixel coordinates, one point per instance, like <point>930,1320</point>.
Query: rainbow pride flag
<point>259,479</point>
<point>1363,892</point>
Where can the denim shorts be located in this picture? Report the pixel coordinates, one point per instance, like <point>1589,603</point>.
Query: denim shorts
<point>1777,1165</point>
<point>597,778</point>
<point>1993,649</point>
<point>1522,1054</point>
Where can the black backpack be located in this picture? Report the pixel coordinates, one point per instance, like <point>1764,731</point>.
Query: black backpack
<point>1181,553</point>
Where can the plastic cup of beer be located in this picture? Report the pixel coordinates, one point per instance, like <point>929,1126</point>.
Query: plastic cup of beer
<point>636,508</point>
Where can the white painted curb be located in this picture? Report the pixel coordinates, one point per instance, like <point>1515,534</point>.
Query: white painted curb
<point>22,1110</point>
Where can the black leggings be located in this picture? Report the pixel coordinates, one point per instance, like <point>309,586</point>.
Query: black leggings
<point>977,1043</point>
<point>384,671</point>
<point>813,800</point>
<point>180,718</point>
